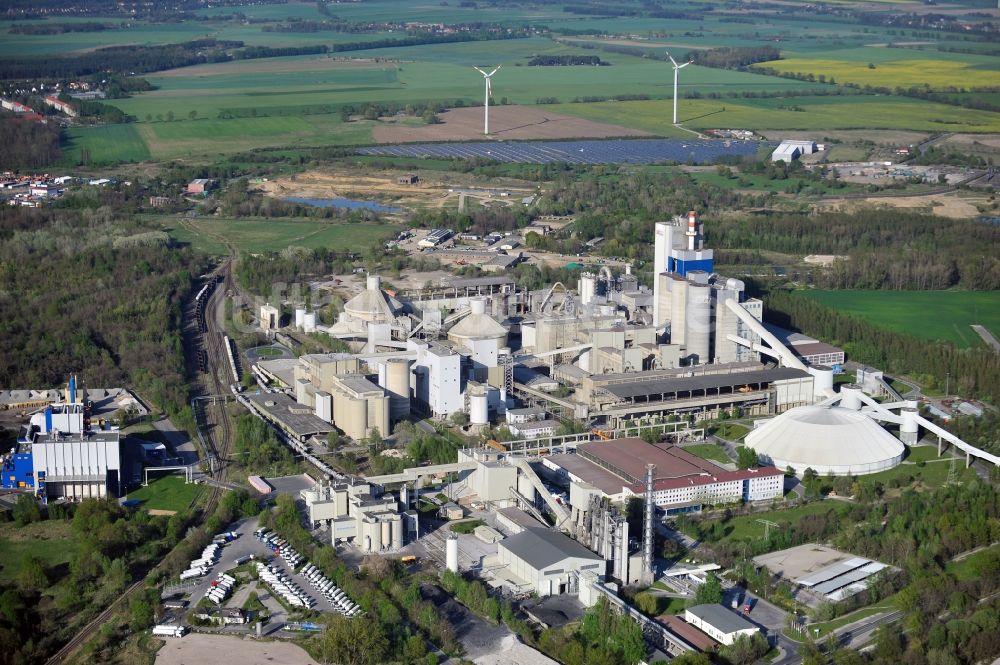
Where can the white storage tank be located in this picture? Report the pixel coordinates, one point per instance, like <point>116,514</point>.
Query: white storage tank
<point>909,429</point>
<point>300,317</point>
<point>309,322</point>
<point>587,287</point>
<point>822,380</point>
<point>451,554</point>
<point>479,408</point>
<point>850,396</point>
<point>324,406</point>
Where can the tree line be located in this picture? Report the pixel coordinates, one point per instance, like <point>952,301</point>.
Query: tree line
<point>567,60</point>
<point>733,57</point>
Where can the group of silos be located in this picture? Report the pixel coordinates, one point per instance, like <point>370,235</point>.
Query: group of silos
<point>305,320</point>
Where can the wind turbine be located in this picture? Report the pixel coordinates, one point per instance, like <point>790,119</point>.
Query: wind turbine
<point>486,107</point>
<point>677,68</point>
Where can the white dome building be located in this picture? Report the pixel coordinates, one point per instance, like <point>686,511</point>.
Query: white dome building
<point>829,439</point>
<point>373,305</point>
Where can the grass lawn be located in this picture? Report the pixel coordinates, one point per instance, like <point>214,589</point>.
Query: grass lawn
<point>256,235</point>
<point>52,541</point>
<point>467,527</point>
<point>166,493</point>
<point>267,352</point>
<point>906,311</point>
<point>746,527</point>
<point>709,451</point>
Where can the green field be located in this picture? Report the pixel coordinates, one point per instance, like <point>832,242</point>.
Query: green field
<point>104,144</point>
<point>256,235</point>
<point>933,473</point>
<point>166,493</point>
<point>815,113</point>
<point>907,311</point>
<point>709,451</point>
<point>52,541</point>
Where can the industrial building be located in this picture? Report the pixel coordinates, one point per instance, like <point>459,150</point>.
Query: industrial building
<point>65,451</point>
<point>373,522</point>
<point>681,480</point>
<point>719,623</point>
<point>823,574</point>
<point>789,150</point>
<point>547,561</point>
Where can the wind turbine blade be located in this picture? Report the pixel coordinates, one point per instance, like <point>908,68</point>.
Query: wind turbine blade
<point>683,66</point>
<point>479,70</point>
<point>496,70</point>
<point>674,62</point>
<point>489,87</point>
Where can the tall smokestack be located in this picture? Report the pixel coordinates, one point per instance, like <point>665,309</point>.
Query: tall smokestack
<point>647,535</point>
<point>692,232</point>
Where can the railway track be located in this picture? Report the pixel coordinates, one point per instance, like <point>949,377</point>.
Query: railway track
<point>218,439</point>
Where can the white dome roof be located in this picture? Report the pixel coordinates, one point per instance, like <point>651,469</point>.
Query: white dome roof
<point>827,439</point>
<point>372,304</point>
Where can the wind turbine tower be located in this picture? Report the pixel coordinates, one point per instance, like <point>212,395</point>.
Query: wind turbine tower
<point>486,106</point>
<point>677,68</point>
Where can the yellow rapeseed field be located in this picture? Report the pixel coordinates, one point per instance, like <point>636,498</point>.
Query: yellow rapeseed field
<point>938,74</point>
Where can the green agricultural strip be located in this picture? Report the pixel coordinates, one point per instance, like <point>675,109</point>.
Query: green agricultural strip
<point>907,311</point>
<point>806,113</point>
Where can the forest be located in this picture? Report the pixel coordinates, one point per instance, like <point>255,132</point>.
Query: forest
<point>95,293</point>
<point>28,145</point>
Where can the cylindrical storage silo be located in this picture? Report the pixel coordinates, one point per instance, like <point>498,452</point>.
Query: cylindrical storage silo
<point>587,287</point>
<point>822,380</point>
<point>386,535</point>
<point>698,323</point>
<point>397,533</point>
<point>309,322</point>
<point>375,531</point>
<point>397,384</point>
<point>451,554</point>
<point>909,430</point>
<point>850,396</point>
<point>525,488</point>
<point>300,316</point>
<point>356,424</point>
<point>479,409</point>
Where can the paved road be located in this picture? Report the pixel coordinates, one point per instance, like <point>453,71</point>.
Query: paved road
<point>987,336</point>
<point>178,440</point>
<point>860,633</point>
